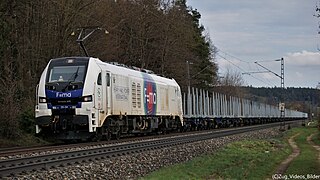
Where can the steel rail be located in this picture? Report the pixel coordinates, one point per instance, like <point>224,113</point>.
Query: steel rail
<point>12,167</point>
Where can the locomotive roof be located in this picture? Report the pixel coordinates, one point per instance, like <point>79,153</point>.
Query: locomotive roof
<point>122,69</point>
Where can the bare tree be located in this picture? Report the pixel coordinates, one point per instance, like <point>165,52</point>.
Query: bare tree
<point>9,125</point>
<point>230,83</point>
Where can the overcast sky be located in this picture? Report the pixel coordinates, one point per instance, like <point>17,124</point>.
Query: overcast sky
<point>246,31</point>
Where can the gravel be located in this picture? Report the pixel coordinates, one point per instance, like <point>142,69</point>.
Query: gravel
<point>139,165</point>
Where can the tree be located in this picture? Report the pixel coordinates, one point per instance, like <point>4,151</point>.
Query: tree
<point>205,69</point>
<point>230,84</point>
<point>159,35</point>
<point>8,72</point>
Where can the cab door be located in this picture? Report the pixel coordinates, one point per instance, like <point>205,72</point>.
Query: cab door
<point>108,97</point>
<point>99,93</point>
<point>103,93</point>
<point>98,101</point>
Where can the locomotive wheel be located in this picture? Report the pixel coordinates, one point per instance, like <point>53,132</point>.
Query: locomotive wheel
<point>164,132</point>
<point>108,136</point>
<point>117,135</point>
<point>97,137</point>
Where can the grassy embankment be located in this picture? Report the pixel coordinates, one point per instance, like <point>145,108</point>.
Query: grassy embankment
<point>254,159</point>
<point>306,162</point>
<point>25,140</point>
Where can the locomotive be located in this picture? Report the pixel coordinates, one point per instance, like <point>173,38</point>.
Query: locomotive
<point>83,98</point>
<point>80,98</point>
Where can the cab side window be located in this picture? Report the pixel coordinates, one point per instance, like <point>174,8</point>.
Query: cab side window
<point>108,79</point>
<point>99,80</point>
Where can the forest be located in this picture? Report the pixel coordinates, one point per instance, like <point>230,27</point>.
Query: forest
<point>164,36</point>
<point>301,99</point>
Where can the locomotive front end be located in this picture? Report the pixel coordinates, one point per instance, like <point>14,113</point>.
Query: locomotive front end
<point>62,109</point>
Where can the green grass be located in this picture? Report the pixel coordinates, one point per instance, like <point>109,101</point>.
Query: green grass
<point>240,160</point>
<point>316,138</point>
<point>306,162</point>
<point>255,159</point>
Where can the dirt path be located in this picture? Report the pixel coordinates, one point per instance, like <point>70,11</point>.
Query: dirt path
<point>314,145</point>
<point>295,152</point>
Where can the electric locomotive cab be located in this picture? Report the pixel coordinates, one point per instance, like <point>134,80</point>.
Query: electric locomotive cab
<point>61,105</point>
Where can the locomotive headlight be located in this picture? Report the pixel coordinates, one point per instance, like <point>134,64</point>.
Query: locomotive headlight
<point>87,98</point>
<point>42,100</point>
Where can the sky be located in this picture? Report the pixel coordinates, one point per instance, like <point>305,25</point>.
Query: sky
<point>249,31</point>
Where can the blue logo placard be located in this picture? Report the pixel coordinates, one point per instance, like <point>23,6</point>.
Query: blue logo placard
<point>55,95</point>
<point>150,95</point>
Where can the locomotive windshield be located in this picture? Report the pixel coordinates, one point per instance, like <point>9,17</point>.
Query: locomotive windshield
<point>67,73</point>
<point>67,70</point>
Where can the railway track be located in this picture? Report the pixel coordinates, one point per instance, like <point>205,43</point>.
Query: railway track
<point>6,152</point>
<point>12,167</point>
<point>16,151</point>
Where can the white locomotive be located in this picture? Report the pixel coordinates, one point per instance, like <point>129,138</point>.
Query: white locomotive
<point>83,98</point>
